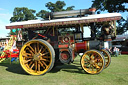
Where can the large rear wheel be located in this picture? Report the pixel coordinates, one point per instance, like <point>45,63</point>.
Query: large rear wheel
<point>93,62</point>
<point>37,57</point>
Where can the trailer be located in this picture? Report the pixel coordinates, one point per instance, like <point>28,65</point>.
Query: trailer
<point>47,43</point>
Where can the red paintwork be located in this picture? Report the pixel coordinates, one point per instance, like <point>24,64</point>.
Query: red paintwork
<point>11,54</point>
<point>63,46</point>
<point>92,9</point>
<point>64,56</point>
<point>81,45</point>
<point>70,38</point>
<point>124,52</point>
<point>61,50</point>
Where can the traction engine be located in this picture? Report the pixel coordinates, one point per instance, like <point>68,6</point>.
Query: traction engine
<point>59,39</point>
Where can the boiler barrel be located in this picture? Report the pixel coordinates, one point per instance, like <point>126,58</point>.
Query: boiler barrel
<point>87,45</point>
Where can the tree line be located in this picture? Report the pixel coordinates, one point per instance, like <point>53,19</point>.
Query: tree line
<point>24,14</point>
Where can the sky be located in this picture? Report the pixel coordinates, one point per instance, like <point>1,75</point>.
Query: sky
<point>7,8</point>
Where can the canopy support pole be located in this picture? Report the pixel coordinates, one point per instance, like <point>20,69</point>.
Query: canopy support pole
<point>82,29</point>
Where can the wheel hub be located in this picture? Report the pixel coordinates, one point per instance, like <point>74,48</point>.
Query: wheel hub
<point>37,56</point>
<point>65,56</point>
<point>92,62</point>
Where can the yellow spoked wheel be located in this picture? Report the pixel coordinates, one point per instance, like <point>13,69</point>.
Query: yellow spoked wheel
<point>93,62</point>
<point>107,57</point>
<point>37,57</point>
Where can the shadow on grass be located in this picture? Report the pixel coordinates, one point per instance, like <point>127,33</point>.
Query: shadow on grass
<point>68,68</point>
<point>14,68</point>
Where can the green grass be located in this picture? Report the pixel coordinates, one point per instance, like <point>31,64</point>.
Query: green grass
<point>115,74</point>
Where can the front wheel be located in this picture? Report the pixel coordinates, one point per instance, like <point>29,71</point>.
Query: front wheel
<point>92,62</point>
<point>37,57</point>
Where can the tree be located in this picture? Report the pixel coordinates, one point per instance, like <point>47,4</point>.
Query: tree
<point>113,6</point>
<point>22,14</point>
<point>54,7</point>
<point>41,14</point>
<point>110,5</point>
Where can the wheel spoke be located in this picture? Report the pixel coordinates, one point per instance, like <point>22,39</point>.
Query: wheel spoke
<point>44,50</point>
<point>86,62</point>
<point>90,66</point>
<point>31,62</point>
<point>31,48</point>
<point>91,58</point>
<point>30,51</point>
<point>36,66</point>
<point>24,55</point>
<point>44,63</point>
<point>101,60</point>
<point>86,65</point>
<point>32,66</point>
<point>96,65</point>
<point>37,47</point>
<point>86,58</point>
<point>26,61</point>
<point>44,54</point>
<point>41,64</point>
<point>45,60</point>
<point>40,50</point>
<point>100,64</point>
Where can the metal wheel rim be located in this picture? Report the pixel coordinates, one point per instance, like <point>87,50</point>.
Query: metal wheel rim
<point>107,57</point>
<point>92,62</point>
<point>35,57</point>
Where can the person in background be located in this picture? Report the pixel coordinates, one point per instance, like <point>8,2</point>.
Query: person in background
<point>3,46</point>
<point>116,51</point>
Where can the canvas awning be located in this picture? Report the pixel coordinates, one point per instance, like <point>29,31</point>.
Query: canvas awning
<point>65,21</point>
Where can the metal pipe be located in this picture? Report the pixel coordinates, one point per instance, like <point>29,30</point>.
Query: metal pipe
<point>80,12</point>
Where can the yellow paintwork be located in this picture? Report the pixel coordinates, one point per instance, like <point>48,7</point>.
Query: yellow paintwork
<point>92,62</point>
<point>8,47</point>
<point>37,63</point>
<point>107,58</point>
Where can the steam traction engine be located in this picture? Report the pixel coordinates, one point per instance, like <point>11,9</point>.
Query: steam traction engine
<point>50,42</point>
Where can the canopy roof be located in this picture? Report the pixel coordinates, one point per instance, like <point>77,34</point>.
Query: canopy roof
<point>65,21</point>
<point>121,37</point>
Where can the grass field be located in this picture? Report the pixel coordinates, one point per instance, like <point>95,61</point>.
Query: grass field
<point>115,74</point>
